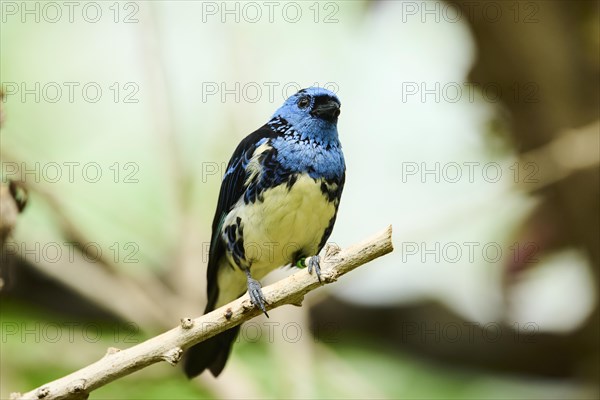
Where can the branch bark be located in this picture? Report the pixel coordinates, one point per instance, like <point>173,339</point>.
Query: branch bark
<point>170,345</point>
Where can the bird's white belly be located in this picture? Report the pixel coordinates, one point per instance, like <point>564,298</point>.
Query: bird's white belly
<point>288,221</point>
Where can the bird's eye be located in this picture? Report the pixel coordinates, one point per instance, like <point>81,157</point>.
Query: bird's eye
<point>303,102</point>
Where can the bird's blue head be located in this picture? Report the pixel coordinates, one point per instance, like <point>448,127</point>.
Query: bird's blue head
<point>313,113</point>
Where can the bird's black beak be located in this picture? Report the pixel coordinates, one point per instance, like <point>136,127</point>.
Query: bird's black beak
<point>329,110</point>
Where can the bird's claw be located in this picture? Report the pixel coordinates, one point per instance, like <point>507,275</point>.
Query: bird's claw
<point>315,262</point>
<point>256,295</point>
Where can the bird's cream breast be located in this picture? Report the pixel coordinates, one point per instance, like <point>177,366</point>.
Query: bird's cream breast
<point>286,221</point>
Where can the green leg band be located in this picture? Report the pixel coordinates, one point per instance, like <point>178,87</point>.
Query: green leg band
<point>301,263</point>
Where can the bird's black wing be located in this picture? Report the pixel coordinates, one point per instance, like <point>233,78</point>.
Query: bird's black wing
<point>335,197</point>
<point>213,353</point>
<point>232,189</point>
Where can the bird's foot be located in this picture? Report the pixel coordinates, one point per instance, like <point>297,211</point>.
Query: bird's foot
<point>256,295</point>
<point>313,262</point>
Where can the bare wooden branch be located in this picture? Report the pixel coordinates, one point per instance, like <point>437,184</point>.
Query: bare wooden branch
<point>170,345</point>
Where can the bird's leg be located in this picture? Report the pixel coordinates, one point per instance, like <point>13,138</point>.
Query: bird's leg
<point>313,262</point>
<point>255,292</point>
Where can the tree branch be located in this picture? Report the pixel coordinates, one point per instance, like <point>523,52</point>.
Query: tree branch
<point>170,345</point>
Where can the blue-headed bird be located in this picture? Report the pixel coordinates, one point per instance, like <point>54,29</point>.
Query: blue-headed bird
<point>277,206</point>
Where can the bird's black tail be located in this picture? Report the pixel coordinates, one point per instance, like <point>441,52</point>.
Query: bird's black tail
<point>211,354</point>
<point>214,352</point>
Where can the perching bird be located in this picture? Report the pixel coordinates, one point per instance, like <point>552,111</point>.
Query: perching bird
<point>277,206</point>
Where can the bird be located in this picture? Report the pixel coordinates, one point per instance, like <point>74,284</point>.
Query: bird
<point>277,206</point>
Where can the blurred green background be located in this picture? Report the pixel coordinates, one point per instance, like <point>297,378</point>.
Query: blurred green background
<point>470,126</point>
